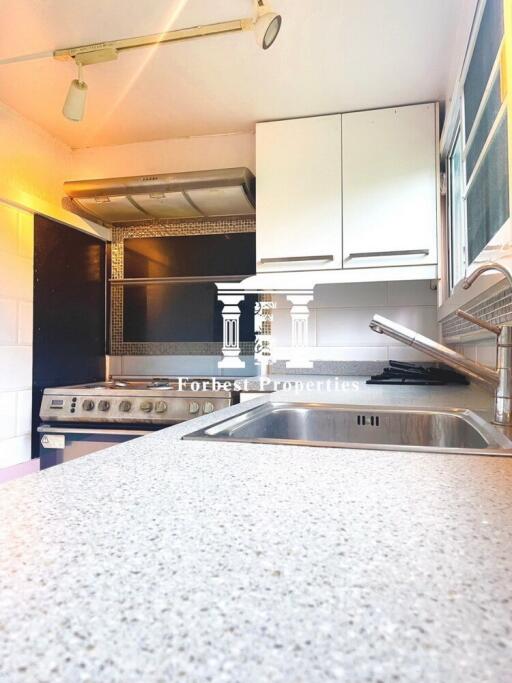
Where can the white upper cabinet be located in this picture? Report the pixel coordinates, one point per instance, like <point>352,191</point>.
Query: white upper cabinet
<point>298,197</point>
<point>390,187</point>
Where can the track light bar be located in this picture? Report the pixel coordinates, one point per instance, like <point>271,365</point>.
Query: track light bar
<point>157,38</point>
<point>99,52</point>
<point>265,24</point>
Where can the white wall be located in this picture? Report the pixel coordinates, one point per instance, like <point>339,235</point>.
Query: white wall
<point>482,350</point>
<point>340,315</point>
<point>161,366</point>
<point>165,156</point>
<point>16,286</point>
<point>33,167</point>
<point>34,164</point>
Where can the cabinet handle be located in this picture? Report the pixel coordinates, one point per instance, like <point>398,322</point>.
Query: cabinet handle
<point>291,259</point>
<point>44,429</point>
<point>376,254</point>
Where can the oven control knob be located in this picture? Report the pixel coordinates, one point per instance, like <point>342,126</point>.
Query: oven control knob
<point>160,407</point>
<point>193,407</point>
<point>146,406</point>
<point>125,406</point>
<point>104,406</point>
<point>208,407</point>
<point>88,405</point>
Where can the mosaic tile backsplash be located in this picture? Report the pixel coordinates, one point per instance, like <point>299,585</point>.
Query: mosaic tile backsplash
<point>495,307</point>
<point>165,228</point>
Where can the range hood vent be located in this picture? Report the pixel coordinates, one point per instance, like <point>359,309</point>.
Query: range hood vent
<point>201,194</point>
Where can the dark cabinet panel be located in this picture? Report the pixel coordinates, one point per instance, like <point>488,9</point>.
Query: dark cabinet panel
<point>184,312</point>
<point>191,255</point>
<point>69,308</point>
<point>179,313</point>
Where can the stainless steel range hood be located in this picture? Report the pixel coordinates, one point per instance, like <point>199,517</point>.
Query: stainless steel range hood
<point>201,194</point>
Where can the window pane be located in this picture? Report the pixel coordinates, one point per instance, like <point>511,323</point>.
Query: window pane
<point>488,197</point>
<point>484,127</point>
<point>484,55</point>
<point>456,215</point>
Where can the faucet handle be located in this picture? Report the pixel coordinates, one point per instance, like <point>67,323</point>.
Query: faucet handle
<point>495,329</point>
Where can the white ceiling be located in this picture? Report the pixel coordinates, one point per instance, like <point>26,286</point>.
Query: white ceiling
<point>332,55</point>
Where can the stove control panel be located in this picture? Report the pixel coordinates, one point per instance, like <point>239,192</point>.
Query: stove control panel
<point>137,408</point>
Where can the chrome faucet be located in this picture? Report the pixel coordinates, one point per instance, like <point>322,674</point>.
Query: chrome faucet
<point>499,379</point>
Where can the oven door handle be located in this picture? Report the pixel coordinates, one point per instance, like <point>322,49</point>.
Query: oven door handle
<point>43,429</point>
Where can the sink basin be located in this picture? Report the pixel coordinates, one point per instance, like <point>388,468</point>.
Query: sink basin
<point>384,428</point>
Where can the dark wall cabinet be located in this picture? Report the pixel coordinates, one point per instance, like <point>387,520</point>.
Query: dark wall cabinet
<point>188,312</point>
<point>188,256</point>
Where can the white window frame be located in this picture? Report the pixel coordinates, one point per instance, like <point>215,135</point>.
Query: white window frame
<point>456,123</point>
<point>462,258</point>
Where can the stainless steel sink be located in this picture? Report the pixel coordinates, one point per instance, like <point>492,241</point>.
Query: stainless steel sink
<point>384,428</point>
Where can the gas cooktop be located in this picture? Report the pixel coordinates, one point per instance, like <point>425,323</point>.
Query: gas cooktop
<point>156,400</point>
<point>166,384</point>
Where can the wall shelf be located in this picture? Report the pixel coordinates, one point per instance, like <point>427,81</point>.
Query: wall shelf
<point>197,279</point>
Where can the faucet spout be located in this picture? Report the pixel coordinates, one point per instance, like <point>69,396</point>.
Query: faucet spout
<point>503,394</point>
<point>500,267</point>
<point>472,369</point>
<point>500,379</point>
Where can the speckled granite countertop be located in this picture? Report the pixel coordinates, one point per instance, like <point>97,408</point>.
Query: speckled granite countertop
<point>163,560</point>
<point>354,390</point>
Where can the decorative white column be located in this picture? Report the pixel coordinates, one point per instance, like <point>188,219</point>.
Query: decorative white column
<point>300,330</point>
<point>263,347</point>
<point>231,330</point>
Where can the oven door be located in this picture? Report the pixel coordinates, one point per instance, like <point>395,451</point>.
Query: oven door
<point>58,444</point>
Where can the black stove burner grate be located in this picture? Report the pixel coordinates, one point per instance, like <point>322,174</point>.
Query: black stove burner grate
<point>415,375</point>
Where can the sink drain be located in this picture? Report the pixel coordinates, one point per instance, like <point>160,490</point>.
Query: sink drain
<point>368,420</point>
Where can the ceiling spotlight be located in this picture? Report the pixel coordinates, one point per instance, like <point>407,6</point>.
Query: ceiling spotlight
<point>266,25</point>
<point>74,106</point>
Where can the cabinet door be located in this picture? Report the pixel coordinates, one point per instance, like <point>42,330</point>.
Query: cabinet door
<point>298,194</point>
<point>390,187</point>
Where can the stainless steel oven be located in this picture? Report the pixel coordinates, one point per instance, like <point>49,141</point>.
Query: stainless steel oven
<point>58,444</point>
<point>82,419</point>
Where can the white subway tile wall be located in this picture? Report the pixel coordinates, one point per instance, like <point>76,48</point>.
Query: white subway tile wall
<point>338,329</point>
<point>179,366</point>
<point>155,366</point>
<point>340,315</point>
<point>16,312</point>
<point>481,350</point>
<point>486,352</point>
